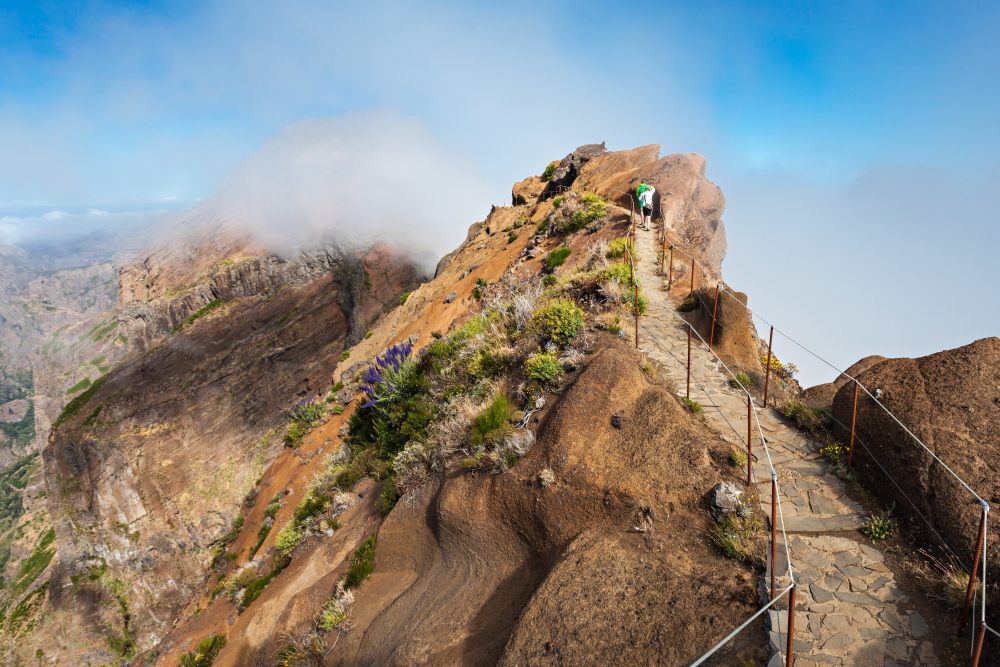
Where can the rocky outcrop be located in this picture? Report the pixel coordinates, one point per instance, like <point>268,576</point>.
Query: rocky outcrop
<point>951,401</point>
<point>498,570</point>
<point>735,336</point>
<point>691,205</point>
<point>570,167</point>
<point>821,395</point>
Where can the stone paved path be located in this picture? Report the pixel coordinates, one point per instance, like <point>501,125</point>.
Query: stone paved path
<point>849,610</point>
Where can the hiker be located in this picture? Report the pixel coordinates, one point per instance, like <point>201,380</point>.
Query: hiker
<point>644,193</point>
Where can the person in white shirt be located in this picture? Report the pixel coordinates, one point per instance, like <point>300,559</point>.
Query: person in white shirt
<point>644,193</point>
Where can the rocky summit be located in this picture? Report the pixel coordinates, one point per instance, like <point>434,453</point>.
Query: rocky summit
<point>219,454</point>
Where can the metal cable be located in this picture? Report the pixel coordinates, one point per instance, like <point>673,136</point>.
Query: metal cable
<point>988,628</point>
<point>907,497</point>
<point>760,431</point>
<point>740,629</point>
<point>870,394</point>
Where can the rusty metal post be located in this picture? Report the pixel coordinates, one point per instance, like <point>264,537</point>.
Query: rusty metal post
<point>692,275</point>
<point>749,442</point>
<point>635,310</point>
<point>688,390</point>
<point>790,641</point>
<point>715,311</point>
<point>980,539</point>
<point>854,421</point>
<point>663,251</point>
<point>977,652</point>
<point>670,269</point>
<point>774,528</point>
<point>767,371</point>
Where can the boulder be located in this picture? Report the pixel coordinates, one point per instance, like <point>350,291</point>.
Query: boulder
<point>724,499</point>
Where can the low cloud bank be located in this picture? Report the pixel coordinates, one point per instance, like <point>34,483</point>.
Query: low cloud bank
<point>354,179</point>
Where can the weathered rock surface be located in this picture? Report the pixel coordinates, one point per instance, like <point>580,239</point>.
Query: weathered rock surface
<point>821,395</point>
<point>951,401</point>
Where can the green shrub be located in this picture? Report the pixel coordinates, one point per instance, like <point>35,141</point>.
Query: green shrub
<point>548,280</point>
<point>693,406</point>
<point>200,313</point>
<point>550,169</point>
<point>558,201</point>
<point>79,386</point>
<point>879,527</point>
<point>296,432</point>
<point>557,258</point>
<point>742,381</point>
<point>491,423</point>
<point>543,367</point>
<point>559,321</point>
<point>594,208</point>
<point>616,248</point>
<point>511,236</point>
<point>345,355</point>
<point>403,297</point>
<point>621,273</point>
<point>800,414</point>
<point>288,538</point>
<point>362,564</point>
<point>206,652</point>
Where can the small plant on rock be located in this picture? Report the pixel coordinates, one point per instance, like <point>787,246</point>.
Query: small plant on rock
<point>546,477</point>
<point>205,653</point>
<point>833,451</point>
<point>741,381</point>
<point>511,236</point>
<point>362,564</point>
<point>288,538</point>
<point>738,458</point>
<point>550,170</point>
<point>800,414</point>
<point>693,406</point>
<point>879,526</point>
<point>594,208</point>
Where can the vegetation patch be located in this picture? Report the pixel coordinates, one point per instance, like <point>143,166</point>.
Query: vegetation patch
<point>737,536</point>
<point>73,407</point>
<point>617,248</point>
<point>34,564</point>
<point>693,406</point>
<point>205,653</point>
<point>550,169</point>
<point>878,527</point>
<point>200,313</point>
<point>79,386</point>
<point>741,381</point>
<point>557,258</point>
<point>543,367</point>
<point>800,414</point>
<point>304,416</point>
<point>362,564</point>
<point>492,424</point>
<point>559,321</point>
<point>21,432</point>
<point>594,208</point>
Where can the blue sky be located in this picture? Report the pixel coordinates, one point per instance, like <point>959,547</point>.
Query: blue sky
<point>856,142</point>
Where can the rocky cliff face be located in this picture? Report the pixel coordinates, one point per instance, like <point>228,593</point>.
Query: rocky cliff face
<point>147,468</point>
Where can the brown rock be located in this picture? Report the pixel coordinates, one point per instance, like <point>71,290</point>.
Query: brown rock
<point>951,401</point>
<point>527,191</point>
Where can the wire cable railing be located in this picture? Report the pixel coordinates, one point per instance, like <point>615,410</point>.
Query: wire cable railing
<point>973,599</point>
